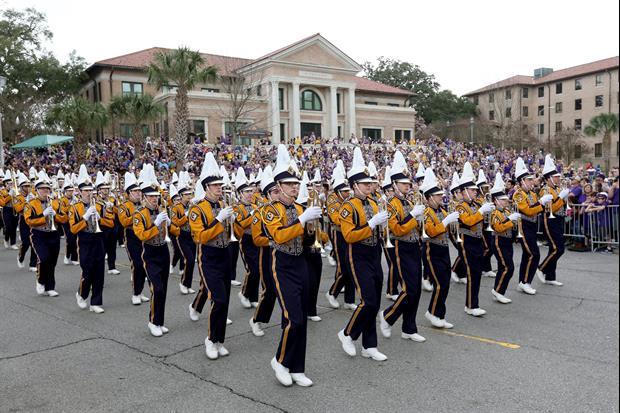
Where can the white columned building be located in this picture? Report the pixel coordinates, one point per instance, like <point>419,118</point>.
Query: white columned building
<point>333,112</point>
<point>296,118</point>
<point>351,114</point>
<point>275,112</point>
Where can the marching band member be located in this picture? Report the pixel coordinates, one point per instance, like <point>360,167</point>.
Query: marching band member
<point>102,189</point>
<point>504,223</point>
<point>184,241</point>
<point>150,227</point>
<point>391,290</point>
<point>209,223</point>
<point>8,213</point>
<point>233,246</point>
<point>471,220</point>
<point>177,256</point>
<point>459,271</point>
<point>68,198</point>
<point>487,236</point>
<point>418,180</point>
<point>553,227</point>
<point>19,201</point>
<point>343,278</point>
<point>405,258</point>
<point>361,221</point>
<point>285,222</point>
<point>436,254</point>
<point>529,207</point>
<point>40,214</point>
<point>84,218</point>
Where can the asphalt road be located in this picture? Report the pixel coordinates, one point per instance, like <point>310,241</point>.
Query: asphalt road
<point>556,351</point>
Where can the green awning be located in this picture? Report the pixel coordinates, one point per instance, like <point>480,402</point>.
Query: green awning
<point>42,141</point>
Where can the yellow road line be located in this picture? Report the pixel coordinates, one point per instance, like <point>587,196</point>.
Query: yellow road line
<point>504,344</point>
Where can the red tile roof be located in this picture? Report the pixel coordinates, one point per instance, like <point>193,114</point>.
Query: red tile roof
<point>571,72</point>
<point>372,86</point>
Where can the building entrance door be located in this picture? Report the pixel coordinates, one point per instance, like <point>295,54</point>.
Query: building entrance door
<point>308,128</point>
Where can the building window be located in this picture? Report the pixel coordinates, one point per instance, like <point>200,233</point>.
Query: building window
<point>541,110</point>
<point>259,90</point>
<point>230,130</point>
<point>338,102</point>
<point>368,102</point>
<point>508,112</point>
<point>394,105</point>
<point>598,101</point>
<point>526,111</point>
<point>281,98</point>
<point>197,127</point>
<point>476,100</point>
<point>577,124</point>
<point>577,151</point>
<point>558,88</point>
<point>169,88</point>
<point>126,130</point>
<point>525,92</point>
<point>491,115</point>
<point>402,135</point>
<point>98,91</point>
<point>131,88</point>
<point>282,132</point>
<point>598,79</point>
<point>577,84</point>
<point>598,150</point>
<point>558,107</point>
<point>541,91</point>
<point>373,134</point>
<point>491,97</point>
<point>541,128</point>
<point>577,104</point>
<point>558,126</point>
<point>210,90</point>
<point>508,94</point>
<point>310,101</point>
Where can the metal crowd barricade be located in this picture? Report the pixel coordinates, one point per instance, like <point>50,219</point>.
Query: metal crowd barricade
<point>603,227</point>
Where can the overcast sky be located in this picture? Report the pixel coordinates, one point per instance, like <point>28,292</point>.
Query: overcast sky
<point>465,44</point>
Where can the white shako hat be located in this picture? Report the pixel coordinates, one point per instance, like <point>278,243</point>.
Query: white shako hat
<point>399,172</point>
<point>7,176</point>
<point>149,186</point>
<point>339,181</point>
<point>468,179</point>
<point>175,178</point>
<point>286,169</point>
<point>184,185</point>
<point>174,192</point>
<point>22,179</point>
<point>387,178</point>
<point>257,177</point>
<point>521,171</point>
<point>60,175</point>
<point>372,171</point>
<point>68,184</point>
<point>199,192</point>
<point>420,172</point>
<point>482,179</point>
<point>131,182</point>
<point>430,186</point>
<point>100,181</point>
<point>42,180</point>
<point>303,196</point>
<point>83,179</point>
<point>225,176</point>
<point>358,172</point>
<point>499,188</point>
<point>550,169</point>
<point>316,179</point>
<point>455,183</point>
<point>267,182</point>
<point>241,180</point>
<point>32,173</point>
<point>210,173</point>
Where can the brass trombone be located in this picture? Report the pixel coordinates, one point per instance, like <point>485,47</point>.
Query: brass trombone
<point>230,200</point>
<point>95,223</point>
<point>549,206</point>
<point>387,240</point>
<point>455,227</point>
<point>515,208</point>
<point>164,207</point>
<point>314,227</point>
<point>418,199</point>
<point>487,217</point>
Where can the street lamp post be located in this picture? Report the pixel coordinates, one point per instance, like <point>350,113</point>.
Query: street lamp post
<point>471,130</point>
<point>2,84</point>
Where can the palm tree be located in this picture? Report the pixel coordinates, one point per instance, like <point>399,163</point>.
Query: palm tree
<point>138,109</point>
<point>79,117</point>
<point>181,68</point>
<point>605,124</point>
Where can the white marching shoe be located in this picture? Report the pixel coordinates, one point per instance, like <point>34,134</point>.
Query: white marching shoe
<point>183,289</point>
<point>228,321</point>
<point>526,288</point>
<point>541,277</point>
<point>40,289</point>
<point>114,271</point>
<point>221,350</point>
<point>414,337</point>
<point>333,303</point>
<point>144,299</point>
<point>434,320</point>
<point>347,344</point>
<point>256,328</point>
<point>75,263</point>
<point>135,300</point>
<point>427,286</point>
<point>193,314</point>
<point>332,262</point>
<point>301,379</point>
<point>556,283</point>
<point>489,274</point>
<point>32,269</point>
<point>386,328</point>
<point>235,283</point>
<point>392,297</point>
<point>14,247</point>
<point>96,309</point>
<point>211,349</point>
<point>314,318</point>
<point>164,329</point>
<point>282,374</point>
<point>374,354</point>
<point>191,290</point>
<point>351,307</point>
<point>80,301</point>
<point>52,293</point>
<point>500,298</point>
<point>254,304</point>
<point>6,245</point>
<point>476,312</point>
<point>66,261</point>
<point>155,330</point>
<point>447,325</point>
<point>19,263</point>
<point>455,278</point>
<point>171,270</point>
<point>245,303</point>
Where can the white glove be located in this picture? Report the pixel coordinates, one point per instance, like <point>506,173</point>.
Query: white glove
<point>108,205</point>
<point>310,214</point>
<point>30,197</point>
<point>161,218</point>
<point>49,211</point>
<point>515,216</point>
<point>187,212</point>
<point>417,211</point>
<point>224,214</point>
<point>486,208</point>
<point>90,212</point>
<point>13,192</point>
<point>545,199</point>
<point>452,218</point>
<point>379,219</point>
<point>564,193</point>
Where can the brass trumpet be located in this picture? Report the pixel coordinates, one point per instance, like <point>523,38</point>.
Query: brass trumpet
<point>487,217</point>
<point>383,207</point>
<point>455,227</point>
<point>515,208</point>
<point>418,199</point>
<point>230,199</point>
<point>314,227</point>
<point>549,206</point>
<point>164,207</point>
<point>95,223</point>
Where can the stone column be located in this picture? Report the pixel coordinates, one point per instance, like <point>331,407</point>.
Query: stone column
<point>351,114</point>
<point>296,118</point>
<point>275,113</point>
<point>333,112</point>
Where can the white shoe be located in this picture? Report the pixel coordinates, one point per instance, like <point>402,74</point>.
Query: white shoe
<point>122,246</point>
<point>427,286</point>
<point>476,312</point>
<point>66,261</point>
<point>489,274</point>
<point>347,344</point>
<point>20,264</point>
<point>164,330</point>
<point>351,307</point>
<point>245,303</point>
<point>228,321</point>
<point>455,278</point>
<point>447,325</point>
<point>193,314</point>
<point>14,247</point>
<point>40,289</point>
<point>386,328</point>
<point>500,298</point>
<point>463,280</point>
<point>314,318</point>
<point>254,304</point>
<point>541,276</point>
<point>191,291</point>
<point>135,300</point>
<point>32,269</point>
<point>235,283</point>
<point>52,293</point>
<point>556,283</point>
<point>526,288</point>
<point>155,330</point>
<point>211,349</point>
<point>75,262</point>
<point>324,254</point>
<point>374,354</point>
<point>114,271</point>
<point>221,350</point>
<point>332,262</point>
<point>282,374</point>
<point>80,301</point>
<point>144,298</point>
<point>256,329</point>
<point>301,379</point>
<point>392,297</point>
<point>434,320</point>
<point>183,289</point>
<point>414,337</point>
<point>96,309</point>
<point>333,303</point>
<point>6,245</point>
<point>181,271</point>
<point>171,271</point>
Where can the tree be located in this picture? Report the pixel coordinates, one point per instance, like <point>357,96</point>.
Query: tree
<point>137,109</point>
<point>568,144</point>
<point>181,68</point>
<point>605,124</point>
<point>78,117</point>
<point>446,106</point>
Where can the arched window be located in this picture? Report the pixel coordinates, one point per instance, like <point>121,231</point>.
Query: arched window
<point>310,101</point>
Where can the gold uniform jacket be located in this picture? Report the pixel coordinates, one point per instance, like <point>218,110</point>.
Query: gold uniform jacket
<point>283,226</point>
<point>528,204</point>
<point>207,230</point>
<point>402,225</point>
<point>33,214</point>
<point>354,216</point>
<point>77,223</point>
